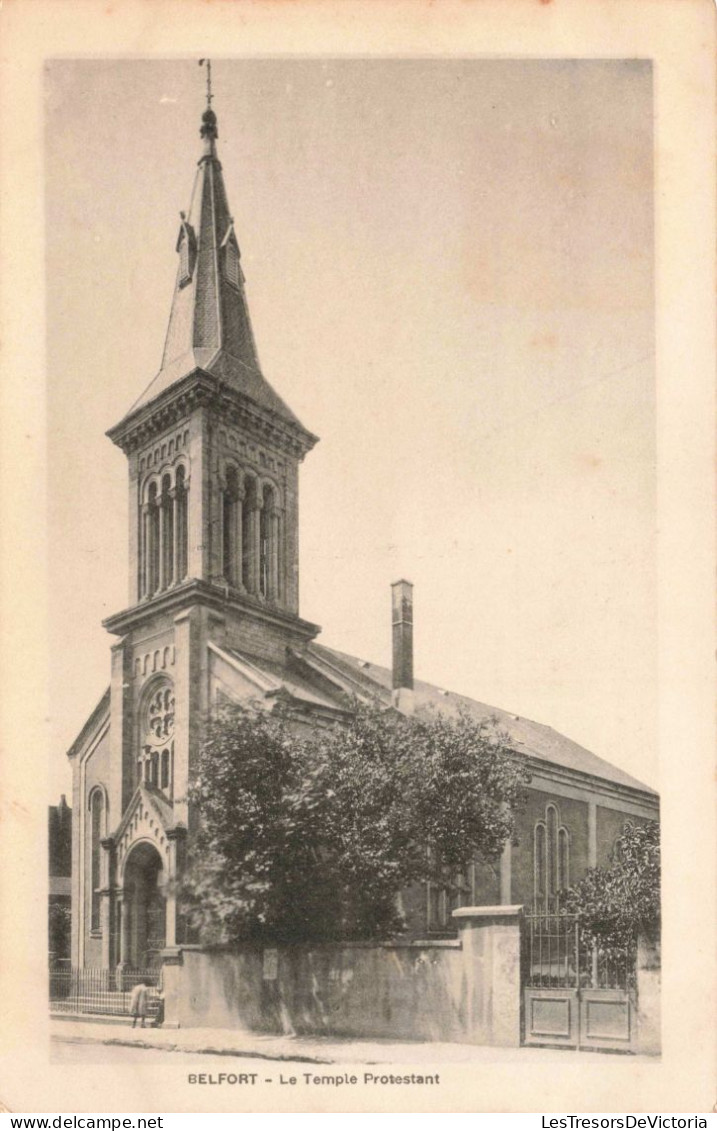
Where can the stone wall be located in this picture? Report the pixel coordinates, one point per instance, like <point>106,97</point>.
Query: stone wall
<point>466,989</point>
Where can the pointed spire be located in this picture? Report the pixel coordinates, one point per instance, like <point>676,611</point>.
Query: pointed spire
<point>209,324</point>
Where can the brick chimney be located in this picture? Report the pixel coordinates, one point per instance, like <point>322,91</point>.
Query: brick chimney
<point>402,630</point>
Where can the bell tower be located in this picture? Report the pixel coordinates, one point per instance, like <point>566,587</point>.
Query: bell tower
<point>213,451</point>
<point>213,455</point>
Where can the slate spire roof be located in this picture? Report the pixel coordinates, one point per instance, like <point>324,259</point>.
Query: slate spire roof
<point>209,324</point>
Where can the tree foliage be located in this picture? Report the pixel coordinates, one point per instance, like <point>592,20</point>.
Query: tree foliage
<point>616,905</point>
<point>310,836</point>
<point>59,927</point>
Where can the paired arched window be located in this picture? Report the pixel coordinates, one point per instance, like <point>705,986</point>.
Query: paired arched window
<point>97,824</point>
<point>251,534</point>
<point>551,859</point>
<point>163,533</point>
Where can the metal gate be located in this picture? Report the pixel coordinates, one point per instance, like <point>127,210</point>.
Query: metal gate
<point>100,991</point>
<point>575,994</point>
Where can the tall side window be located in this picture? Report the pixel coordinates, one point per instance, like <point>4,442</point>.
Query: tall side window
<point>551,821</point>
<point>563,859</point>
<point>551,859</point>
<point>249,539</point>
<point>231,520</point>
<point>152,547</point>
<point>266,540</point>
<point>97,803</point>
<point>181,503</point>
<point>539,864</point>
<point>166,534</point>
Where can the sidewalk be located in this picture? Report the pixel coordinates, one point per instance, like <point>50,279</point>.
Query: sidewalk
<point>312,1050</point>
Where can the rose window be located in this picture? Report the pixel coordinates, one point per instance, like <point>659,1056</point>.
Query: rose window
<point>156,759</point>
<point>159,716</point>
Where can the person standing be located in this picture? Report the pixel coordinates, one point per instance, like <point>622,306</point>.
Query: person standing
<point>138,1003</point>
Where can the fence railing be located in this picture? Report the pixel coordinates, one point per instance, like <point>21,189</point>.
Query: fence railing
<point>558,955</point>
<point>94,990</point>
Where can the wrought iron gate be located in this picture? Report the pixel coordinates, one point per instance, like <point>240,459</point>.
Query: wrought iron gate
<point>575,994</point>
<point>100,991</point>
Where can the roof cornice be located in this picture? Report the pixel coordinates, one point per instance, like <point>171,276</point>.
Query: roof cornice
<point>616,790</point>
<point>201,389</point>
<point>220,599</point>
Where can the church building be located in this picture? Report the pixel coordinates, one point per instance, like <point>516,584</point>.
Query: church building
<point>213,457</point>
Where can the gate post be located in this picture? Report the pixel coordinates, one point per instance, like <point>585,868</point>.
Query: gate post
<point>648,996</point>
<point>490,940</point>
<point>172,961</point>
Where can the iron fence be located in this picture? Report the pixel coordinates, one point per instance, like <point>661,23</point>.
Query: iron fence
<point>608,965</point>
<point>552,952</point>
<point>557,954</point>
<point>100,991</point>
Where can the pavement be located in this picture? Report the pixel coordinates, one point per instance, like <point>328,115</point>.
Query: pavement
<point>310,1049</point>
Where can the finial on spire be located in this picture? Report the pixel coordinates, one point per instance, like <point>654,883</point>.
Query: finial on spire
<point>209,80</point>
<point>209,119</point>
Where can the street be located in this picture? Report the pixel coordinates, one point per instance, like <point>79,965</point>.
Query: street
<point>75,1052</point>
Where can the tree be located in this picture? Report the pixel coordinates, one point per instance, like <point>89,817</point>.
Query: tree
<point>59,927</point>
<point>616,905</point>
<point>309,838</point>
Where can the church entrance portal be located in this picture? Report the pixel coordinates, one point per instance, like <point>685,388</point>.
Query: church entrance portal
<point>143,930</point>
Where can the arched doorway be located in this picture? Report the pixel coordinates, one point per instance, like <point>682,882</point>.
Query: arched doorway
<point>143,907</point>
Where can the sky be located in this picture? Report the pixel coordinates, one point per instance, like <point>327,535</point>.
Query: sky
<point>449,268</point>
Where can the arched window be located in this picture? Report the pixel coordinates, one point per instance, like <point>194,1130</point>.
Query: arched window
<point>250,536</point>
<point>231,519</point>
<point>266,543</point>
<point>551,821</point>
<point>563,859</point>
<point>152,550</point>
<point>97,805</point>
<point>167,532</point>
<point>539,864</point>
<point>181,501</point>
<point>551,859</point>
